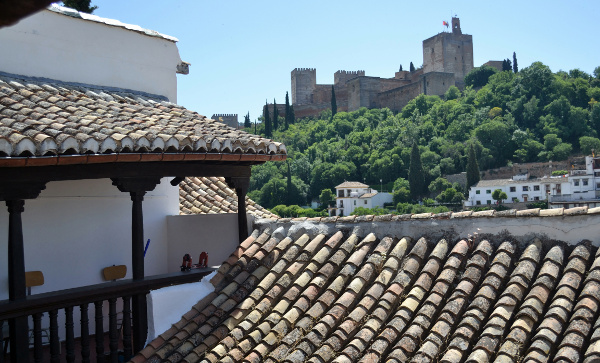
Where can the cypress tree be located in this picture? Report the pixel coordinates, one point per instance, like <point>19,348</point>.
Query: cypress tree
<point>275,115</point>
<point>292,114</point>
<point>412,67</point>
<point>247,122</point>
<point>288,113</point>
<point>472,168</point>
<point>416,179</point>
<point>515,66</point>
<point>333,103</point>
<point>400,68</point>
<point>267,121</point>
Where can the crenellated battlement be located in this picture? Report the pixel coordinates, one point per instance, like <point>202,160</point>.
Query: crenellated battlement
<point>351,73</point>
<point>341,77</point>
<point>224,115</point>
<point>304,70</point>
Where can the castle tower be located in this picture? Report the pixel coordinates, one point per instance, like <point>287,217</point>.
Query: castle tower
<point>341,77</point>
<point>450,53</point>
<point>456,26</point>
<point>304,83</point>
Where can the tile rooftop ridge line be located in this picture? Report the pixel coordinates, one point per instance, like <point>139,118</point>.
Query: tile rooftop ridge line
<point>44,80</point>
<point>511,213</point>
<point>107,21</point>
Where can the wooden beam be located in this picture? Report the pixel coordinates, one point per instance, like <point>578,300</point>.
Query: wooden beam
<point>119,170</point>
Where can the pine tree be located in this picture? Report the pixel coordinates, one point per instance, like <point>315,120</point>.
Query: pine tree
<point>412,67</point>
<point>472,168</point>
<point>288,113</point>
<point>267,121</point>
<point>515,66</point>
<point>275,115</point>
<point>333,103</point>
<point>416,179</point>
<point>247,122</point>
<point>80,5</point>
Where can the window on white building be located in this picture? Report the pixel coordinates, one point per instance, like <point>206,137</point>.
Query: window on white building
<point>489,201</point>
<point>513,189</point>
<point>576,182</point>
<point>536,198</point>
<point>525,188</point>
<point>585,182</point>
<point>365,202</point>
<point>489,191</point>
<point>479,191</point>
<point>478,202</point>
<point>536,187</point>
<point>354,202</point>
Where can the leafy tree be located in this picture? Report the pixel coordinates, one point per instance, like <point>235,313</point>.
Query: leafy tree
<point>479,76</point>
<point>80,5</point>
<point>416,179</point>
<point>247,123</point>
<point>588,143</point>
<point>267,121</point>
<point>275,115</point>
<point>412,67</point>
<point>438,185</point>
<point>450,195</point>
<point>498,195</point>
<point>472,168</point>
<point>515,65</point>
<point>452,93</point>
<point>401,195</point>
<point>274,192</point>
<point>326,197</point>
<point>401,183</point>
<point>333,103</point>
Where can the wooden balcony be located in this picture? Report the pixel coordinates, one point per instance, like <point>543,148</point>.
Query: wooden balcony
<point>17,314</point>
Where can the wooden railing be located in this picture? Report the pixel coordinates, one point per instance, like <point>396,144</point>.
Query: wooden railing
<point>81,298</point>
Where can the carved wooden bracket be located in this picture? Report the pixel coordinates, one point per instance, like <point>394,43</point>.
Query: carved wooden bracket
<point>21,190</point>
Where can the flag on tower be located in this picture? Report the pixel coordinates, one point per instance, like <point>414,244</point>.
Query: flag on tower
<point>446,24</point>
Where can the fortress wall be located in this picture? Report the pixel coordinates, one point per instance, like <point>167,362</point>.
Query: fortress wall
<point>458,59</point>
<point>363,91</point>
<point>314,109</point>
<point>280,109</point>
<point>437,83</point>
<point>397,98</point>
<point>341,77</point>
<point>433,53</point>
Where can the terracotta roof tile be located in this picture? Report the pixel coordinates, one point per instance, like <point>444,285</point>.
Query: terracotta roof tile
<point>42,117</point>
<point>341,297</point>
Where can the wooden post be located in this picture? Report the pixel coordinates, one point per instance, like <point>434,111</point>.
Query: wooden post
<point>18,328</point>
<point>137,188</point>
<point>240,185</point>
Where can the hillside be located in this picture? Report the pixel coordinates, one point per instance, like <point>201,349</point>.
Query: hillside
<point>534,115</point>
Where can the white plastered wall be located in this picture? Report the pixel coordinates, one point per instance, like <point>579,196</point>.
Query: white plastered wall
<point>60,47</point>
<point>76,228</point>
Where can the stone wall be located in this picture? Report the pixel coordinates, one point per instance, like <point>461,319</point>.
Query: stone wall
<point>304,82</point>
<point>229,119</point>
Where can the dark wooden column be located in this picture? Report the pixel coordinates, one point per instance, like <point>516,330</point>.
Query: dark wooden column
<point>15,194</point>
<point>240,185</point>
<point>137,188</point>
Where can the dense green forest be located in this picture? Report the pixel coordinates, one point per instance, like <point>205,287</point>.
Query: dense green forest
<point>532,115</point>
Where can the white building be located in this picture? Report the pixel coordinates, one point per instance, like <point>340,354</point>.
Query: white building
<point>576,188</point>
<point>351,195</point>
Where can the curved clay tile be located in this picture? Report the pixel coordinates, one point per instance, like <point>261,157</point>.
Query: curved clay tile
<point>157,145</point>
<point>200,145</point>
<point>46,145</point>
<point>89,145</point>
<point>22,145</point>
<point>5,146</point>
<point>142,144</point>
<point>108,145</point>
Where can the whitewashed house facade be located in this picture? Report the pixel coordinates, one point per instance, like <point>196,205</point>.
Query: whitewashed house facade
<point>351,195</point>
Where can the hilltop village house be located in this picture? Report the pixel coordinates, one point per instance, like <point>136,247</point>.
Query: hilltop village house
<point>92,149</point>
<point>576,188</point>
<point>351,195</point>
<point>447,59</point>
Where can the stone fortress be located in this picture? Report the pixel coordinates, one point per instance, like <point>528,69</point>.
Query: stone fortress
<point>447,59</point>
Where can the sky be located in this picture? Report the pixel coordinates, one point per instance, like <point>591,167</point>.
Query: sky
<point>242,52</point>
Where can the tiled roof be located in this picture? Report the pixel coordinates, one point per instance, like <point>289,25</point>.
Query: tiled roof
<point>348,184</point>
<point>310,294</point>
<point>43,118</point>
<point>212,195</point>
<point>368,195</point>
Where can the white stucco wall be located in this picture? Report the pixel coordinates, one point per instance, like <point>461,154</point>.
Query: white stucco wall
<point>215,234</point>
<point>57,46</point>
<point>76,228</point>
